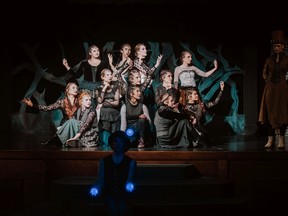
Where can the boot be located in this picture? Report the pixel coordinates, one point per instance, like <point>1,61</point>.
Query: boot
<point>270,143</point>
<point>72,144</point>
<point>281,143</point>
<point>53,141</point>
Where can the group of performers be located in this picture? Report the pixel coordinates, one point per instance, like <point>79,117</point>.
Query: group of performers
<point>119,95</point>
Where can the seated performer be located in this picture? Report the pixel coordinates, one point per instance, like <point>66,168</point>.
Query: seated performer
<point>68,105</point>
<point>135,115</point>
<point>173,126</point>
<point>197,108</point>
<point>81,130</point>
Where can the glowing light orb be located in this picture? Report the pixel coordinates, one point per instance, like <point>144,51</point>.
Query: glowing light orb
<point>129,132</point>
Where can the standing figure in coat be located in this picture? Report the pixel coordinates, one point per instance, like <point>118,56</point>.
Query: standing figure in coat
<point>274,104</point>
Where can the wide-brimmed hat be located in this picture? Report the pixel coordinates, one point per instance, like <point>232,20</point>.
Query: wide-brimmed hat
<point>278,37</point>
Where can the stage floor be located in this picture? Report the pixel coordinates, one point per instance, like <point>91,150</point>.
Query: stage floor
<point>234,143</point>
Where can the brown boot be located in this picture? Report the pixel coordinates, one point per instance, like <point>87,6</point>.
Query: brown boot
<point>270,142</point>
<point>281,143</point>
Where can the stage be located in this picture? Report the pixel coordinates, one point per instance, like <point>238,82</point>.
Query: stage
<point>259,176</point>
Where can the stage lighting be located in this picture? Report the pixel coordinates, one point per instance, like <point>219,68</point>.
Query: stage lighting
<point>129,132</point>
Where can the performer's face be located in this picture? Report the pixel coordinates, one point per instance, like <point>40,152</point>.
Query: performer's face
<point>278,48</point>
<point>167,78</point>
<point>169,101</point>
<point>86,101</point>
<point>126,51</point>
<point>142,52</point>
<point>94,52</point>
<point>72,89</point>
<point>107,76</point>
<point>136,79</point>
<point>187,58</point>
<point>193,97</point>
<point>118,146</point>
<point>136,94</point>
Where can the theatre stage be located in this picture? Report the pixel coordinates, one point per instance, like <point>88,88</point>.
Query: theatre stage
<point>259,176</point>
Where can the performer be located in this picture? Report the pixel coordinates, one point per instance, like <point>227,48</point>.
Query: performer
<point>116,177</point>
<point>173,126</point>
<point>135,115</point>
<point>68,105</point>
<point>121,69</point>
<point>274,104</point>
<point>166,78</point>
<point>108,99</point>
<point>197,108</point>
<point>146,72</point>
<point>140,52</point>
<point>90,68</point>
<point>81,130</point>
<point>185,73</point>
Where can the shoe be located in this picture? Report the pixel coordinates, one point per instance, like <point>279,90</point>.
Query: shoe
<point>72,144</point>
<point>141,143</point>
<point>270,142</point>
<point>53,141</point>
<point>45,143</point>
<point>48,142</point>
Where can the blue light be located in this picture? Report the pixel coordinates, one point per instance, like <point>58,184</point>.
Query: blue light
<point>129,132</point>
<point>94,191</point>
<point>130,187</point>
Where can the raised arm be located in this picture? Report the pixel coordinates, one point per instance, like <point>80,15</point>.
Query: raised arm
<point>208,73</point>
<point>176,77</point>
<point>217,99</point>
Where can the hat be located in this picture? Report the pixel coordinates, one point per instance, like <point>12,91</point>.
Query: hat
<point>278,37</point>
<point>117,136</point>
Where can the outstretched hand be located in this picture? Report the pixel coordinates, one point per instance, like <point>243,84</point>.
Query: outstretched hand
<point>222,85</point>
<point>27,101</point>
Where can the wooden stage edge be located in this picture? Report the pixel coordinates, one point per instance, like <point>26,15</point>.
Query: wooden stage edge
<point>217,161</point>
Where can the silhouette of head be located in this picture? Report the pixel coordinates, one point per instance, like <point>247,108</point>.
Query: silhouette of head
<point>119,142</point>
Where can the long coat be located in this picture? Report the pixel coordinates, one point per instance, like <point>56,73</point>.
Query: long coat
<point>274,104</point>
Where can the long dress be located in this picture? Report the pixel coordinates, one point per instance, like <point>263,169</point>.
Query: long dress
<point>84,122</point>
<point>109,114</point>
<point>173,129</point>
